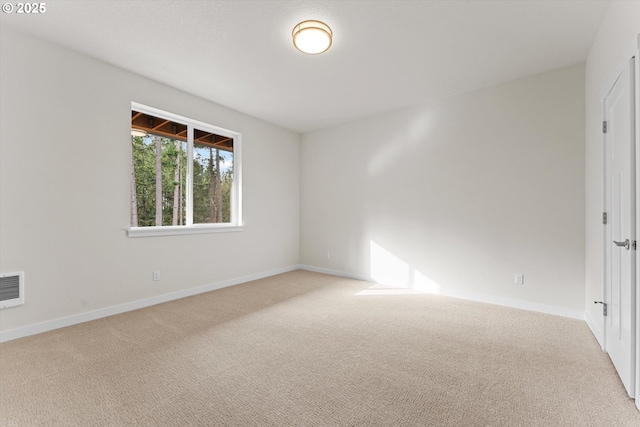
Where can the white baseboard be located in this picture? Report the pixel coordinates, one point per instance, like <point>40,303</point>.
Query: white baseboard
<point>62,322</point>
<point>595,330</point>
<point>50,325</point>
<point>489,299</point>
<point>335,273</point>
<point>514,303</point>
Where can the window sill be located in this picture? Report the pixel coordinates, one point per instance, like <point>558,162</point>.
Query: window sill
<point>181,230</point>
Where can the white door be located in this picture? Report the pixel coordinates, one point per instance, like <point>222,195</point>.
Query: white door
<point>620,228</point>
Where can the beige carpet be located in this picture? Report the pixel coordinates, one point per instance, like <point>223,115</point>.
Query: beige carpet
<point>304,349</point>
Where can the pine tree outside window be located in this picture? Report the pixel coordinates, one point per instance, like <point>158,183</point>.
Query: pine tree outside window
<point>185,175</point>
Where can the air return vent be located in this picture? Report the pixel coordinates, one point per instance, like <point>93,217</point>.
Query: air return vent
<point>11,289</point>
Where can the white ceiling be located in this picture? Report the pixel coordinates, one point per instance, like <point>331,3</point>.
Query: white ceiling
<point>385,55</point>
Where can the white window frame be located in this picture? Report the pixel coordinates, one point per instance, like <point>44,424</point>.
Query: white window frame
<point>236,223</point>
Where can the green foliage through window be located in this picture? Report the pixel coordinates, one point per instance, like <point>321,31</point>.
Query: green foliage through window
<point>160,167</point>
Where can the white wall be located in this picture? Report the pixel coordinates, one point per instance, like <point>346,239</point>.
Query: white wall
<point>458,194</point>
<point>64,188</point>
<point>613,44</point>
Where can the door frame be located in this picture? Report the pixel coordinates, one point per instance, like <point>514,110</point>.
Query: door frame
<point>637,172</point>
<point>633,55</point>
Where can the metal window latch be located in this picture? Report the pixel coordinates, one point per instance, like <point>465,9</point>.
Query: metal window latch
<point>604,307</point>
<point>624,244</point>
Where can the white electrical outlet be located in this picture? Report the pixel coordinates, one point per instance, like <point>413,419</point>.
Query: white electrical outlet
<point>519,279</point>
<point>156,275</point>
<point>328,254</point>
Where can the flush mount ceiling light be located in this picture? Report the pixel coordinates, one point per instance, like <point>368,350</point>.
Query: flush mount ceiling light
<point>312,37</point>
<point>138,132</point>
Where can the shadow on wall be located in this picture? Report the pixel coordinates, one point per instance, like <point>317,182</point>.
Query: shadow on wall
<point>404,140</point>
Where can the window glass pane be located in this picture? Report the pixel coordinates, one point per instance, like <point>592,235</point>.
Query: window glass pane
<point>212,177</point>
<point>158,181</point>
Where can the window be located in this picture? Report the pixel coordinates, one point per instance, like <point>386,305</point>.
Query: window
<point>185,175</point>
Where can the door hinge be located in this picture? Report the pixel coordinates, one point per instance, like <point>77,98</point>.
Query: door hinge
<point>604,307</point>
<point>604,217</point>
<point>604,126</point>
<point>634,245</point>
